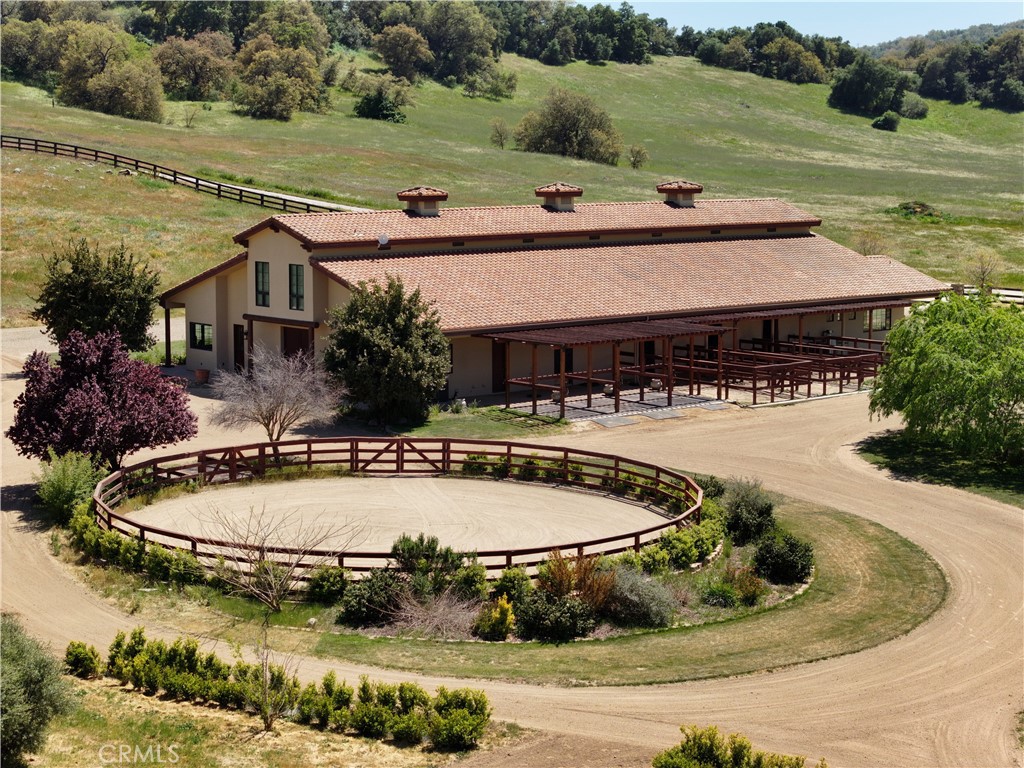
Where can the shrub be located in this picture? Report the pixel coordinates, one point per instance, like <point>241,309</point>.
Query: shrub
<point>157,562</point>
<point>706,537</point>
<point>373,599</point>
<point>782,558</point>
<point>749,511</point>
<point>83,661</point>
<point>184,569</point>
<point>306,707</point>
<point>411,697</point>
<point>530,470</point>
<point>459,718</point>
<point>887,121</point>
<point>409,729</point>
<point>712,486</point>
<point>33,692</point>
<point>379,105</point>
<point>326,584</point>
<point>64,482</point>
<point>470,581</point>
<point>474,464</point>
<point>371,720</point>
<point>501,469</point>
<point>496,620</point>
<point>553,620</point>
<point>638,601</point>
<point>707,748</point>
<point>654,559</point>
<point>745,582</point>
<point>679,545</point>
<point>719,593</point>
<point>514,583</point>
<point>913,107</point>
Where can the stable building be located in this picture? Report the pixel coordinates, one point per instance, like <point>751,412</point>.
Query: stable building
<point>562,298</point>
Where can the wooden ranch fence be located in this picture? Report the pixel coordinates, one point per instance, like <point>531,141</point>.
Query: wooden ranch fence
<point>280,202</point>
<point>675,496</point>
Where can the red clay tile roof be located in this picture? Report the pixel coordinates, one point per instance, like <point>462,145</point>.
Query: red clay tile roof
<point>332,230</point>
<point>680,186</point>
<point>559,188</point>
<point>496,290</point>
<point>423,193</point>
<point>214,270</point>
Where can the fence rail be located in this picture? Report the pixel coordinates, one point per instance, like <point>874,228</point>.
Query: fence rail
<point>674,495</point>
<point>280,202</point>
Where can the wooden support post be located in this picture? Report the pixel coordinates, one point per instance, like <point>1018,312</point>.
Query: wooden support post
<point>590,375</point>
<point>800,331</point>
<point>533,376</point>
<point>691,366</point>
<point>248,345</point>
<point>735,336</point>
<point>561,383</point>
<point>667,355</point>
<point>167,336</point>
<point>615,374</point>
<point>641,359</point>
<point>508,374</point>
<point>720,364</point>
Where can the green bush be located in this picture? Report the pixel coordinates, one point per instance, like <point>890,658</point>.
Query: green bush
<point>530,470</point>
<point>639,601</point>
<point>64,482</point>
<point>515,583</point>
<point>712,486</point>
<point>459,718</point>
<point>184,569</point>
<point>782,558</point>
<point>33,692</point>
<point>553,619</point>
<point>679,544</point>
<point>749,511</point>
<point>409,729</point>
<point>470,581</point>
<point>157,563</point>
<point>706,537</point>
<point>707,748</point>
<point>371,720</point>
<point>502,468</point>
<point>379,106</point>
<point>475,464</point>
<point>496,620</point>
<point>411,697</point>
<point>83,660</point>
<point>654,559</point>
<point>307,705</point>
<point>372,600</point>
<point>745,582</point>
<point>326,584</point>
<point>719,593</point>
<point>913,107</point>
<point>887,121</point>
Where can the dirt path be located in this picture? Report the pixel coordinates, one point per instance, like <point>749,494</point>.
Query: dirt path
<point>944,695</point>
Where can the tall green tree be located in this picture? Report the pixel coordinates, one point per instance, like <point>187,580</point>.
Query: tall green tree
<point>869,87</point>
<point>90,292</point>
<point>32,692</point>
<point>387,349</point>
<point>570,124</point>
<point>956,374</point>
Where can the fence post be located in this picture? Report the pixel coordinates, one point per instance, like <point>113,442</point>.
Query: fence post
<point>400,456</point>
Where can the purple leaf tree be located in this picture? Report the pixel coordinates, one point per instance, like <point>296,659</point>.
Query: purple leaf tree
<point>97,400</point>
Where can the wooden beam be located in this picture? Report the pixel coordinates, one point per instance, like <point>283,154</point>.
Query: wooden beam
<point>167,336</point>
<point>666,355</point>
<point>720,368</point>
<point>508,374</point>
<point>590,375</point>
<point>615,374</point>
<point>533,376</point>
<point>561,383</point>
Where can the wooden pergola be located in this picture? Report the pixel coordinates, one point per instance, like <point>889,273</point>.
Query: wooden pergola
<point>664,367</point>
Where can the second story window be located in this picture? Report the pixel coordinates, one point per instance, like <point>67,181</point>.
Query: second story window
<point>296,287</point>
<point>262,283</point>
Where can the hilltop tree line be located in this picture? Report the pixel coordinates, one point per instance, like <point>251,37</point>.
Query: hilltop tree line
<point>273,57</point>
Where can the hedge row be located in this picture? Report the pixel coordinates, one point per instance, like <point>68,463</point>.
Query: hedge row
<point>452,720</point>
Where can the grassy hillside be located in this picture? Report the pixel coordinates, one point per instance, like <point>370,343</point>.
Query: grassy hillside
<point>738,134</point>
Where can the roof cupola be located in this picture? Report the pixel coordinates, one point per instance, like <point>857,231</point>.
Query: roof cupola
<point>423,201</point>
<point>559,196</point>
<point>680,193</point>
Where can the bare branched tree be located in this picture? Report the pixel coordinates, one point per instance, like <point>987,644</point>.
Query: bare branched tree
<point>269,552</point>
<point>267,555</point>
<point>981,267</point>
<point>280,393</point>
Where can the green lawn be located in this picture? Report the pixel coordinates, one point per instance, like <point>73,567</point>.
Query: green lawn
<point>738,134</point>
<point>940,465</point>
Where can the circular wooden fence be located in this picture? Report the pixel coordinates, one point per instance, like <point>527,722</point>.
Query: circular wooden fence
<point>673,495</point>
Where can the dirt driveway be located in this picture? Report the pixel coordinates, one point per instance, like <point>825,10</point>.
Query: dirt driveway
<point>944,695</point>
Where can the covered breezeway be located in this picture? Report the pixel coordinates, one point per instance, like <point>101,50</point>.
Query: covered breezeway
<point>675,361</point>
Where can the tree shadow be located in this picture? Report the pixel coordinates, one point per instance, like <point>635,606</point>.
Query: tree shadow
<point>908,458</point>
<point>19,501</point>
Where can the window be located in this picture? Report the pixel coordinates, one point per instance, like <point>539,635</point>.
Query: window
<point>296,287</point>
<point>833,317</point>
<point>200,336</point>
<point>262,283</point>
<point>878,319</point>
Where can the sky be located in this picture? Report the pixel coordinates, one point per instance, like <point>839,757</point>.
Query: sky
<point>860,23</point>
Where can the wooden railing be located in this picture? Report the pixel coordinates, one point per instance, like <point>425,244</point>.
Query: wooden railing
<point>280,202</point>
<point>674,495</point>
